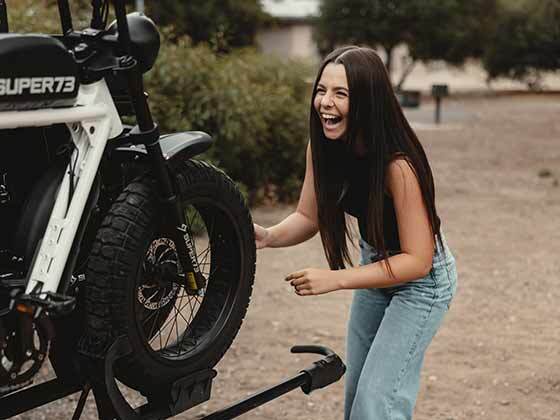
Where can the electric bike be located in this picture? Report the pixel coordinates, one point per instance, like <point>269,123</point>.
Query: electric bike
<point>109,230</point>
<point>121,256</point>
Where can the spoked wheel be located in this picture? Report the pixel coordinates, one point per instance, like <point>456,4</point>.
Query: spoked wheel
<point>136,286</point>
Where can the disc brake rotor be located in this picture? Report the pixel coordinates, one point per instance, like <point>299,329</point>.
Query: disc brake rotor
<point>160,266</point>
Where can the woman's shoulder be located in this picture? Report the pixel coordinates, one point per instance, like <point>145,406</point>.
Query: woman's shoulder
<point>397,158</point>
<point>399,172</point>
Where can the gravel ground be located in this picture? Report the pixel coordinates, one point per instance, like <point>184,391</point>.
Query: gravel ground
<point>495,162</point>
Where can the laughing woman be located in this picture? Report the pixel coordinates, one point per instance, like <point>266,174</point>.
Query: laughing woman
<point>364,159</point>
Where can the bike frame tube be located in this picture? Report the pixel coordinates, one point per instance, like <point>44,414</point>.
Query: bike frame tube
<point>65,16</point>
<point>91,125</point>
<point>97,18</point>
<point>4,27</point>
<point>122,24</point>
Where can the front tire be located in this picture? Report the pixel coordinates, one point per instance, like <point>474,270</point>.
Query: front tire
<point>132,287</point>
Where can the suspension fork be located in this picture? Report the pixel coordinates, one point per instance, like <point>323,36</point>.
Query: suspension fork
<point>181,235</point>
<point>149,132</point>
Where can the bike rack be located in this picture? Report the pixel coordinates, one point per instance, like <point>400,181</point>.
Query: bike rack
<point>180,396</point>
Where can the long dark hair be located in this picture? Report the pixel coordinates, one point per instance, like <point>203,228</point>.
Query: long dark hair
<point>376,119</point>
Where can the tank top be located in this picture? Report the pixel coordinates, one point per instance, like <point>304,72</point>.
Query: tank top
<point>355,203</point>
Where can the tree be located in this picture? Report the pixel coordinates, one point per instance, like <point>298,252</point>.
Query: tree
<point>450,30</point>
<point>222,23</point>
<point>364,22</point>
<point>526,42</point>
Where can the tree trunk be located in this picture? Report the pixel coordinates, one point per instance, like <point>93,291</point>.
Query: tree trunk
<point>389,61</point>
<point>405,74</point>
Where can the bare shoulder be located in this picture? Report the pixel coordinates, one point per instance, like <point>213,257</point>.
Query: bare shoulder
<point>400,173</point>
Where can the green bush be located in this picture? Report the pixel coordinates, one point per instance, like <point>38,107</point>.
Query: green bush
<point>254,106</point>
<point>225,24</point>
<point>42,16</point>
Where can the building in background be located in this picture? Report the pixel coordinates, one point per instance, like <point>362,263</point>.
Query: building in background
<point>292,34</point>
<point>292,37</point>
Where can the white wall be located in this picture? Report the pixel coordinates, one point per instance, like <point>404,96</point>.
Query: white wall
<point>291,41</point>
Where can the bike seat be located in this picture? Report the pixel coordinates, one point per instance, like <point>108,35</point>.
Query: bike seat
<point>37,71</point>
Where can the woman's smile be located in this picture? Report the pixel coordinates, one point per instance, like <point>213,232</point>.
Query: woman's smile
<point>331,121</point>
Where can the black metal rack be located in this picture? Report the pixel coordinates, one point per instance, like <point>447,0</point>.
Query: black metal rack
<point>178,397</point>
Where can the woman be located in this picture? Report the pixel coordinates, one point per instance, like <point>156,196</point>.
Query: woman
<point>364,159</point>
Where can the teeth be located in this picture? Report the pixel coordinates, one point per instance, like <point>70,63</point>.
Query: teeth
<point>328,116</point>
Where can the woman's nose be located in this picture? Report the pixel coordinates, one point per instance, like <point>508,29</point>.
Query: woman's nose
<point>327,101</point>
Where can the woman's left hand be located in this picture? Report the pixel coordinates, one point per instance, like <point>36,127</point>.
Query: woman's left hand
<point>314,281</point>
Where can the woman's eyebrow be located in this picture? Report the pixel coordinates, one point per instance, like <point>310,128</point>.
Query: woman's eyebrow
<point>320,85</point>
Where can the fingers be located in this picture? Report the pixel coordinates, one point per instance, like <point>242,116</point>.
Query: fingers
<point>295,275</point>
<point>304,292</point>
<point>301,285</point>
<point>299,281</point>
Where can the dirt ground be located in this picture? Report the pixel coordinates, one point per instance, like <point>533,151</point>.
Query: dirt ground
<point>496,164</point>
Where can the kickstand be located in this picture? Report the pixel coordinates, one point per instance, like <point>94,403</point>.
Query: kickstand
<point>81,402</point>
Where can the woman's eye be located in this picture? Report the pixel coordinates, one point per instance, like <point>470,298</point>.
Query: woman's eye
<point>341,94</point>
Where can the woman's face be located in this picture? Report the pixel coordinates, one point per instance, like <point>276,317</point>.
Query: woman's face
<point>332,101</point>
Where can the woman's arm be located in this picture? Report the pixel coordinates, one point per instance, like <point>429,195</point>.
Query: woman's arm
<point>415,235</point>
<point>298,226</point>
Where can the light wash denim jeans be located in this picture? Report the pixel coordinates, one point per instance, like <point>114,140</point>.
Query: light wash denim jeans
<point>388,333</point>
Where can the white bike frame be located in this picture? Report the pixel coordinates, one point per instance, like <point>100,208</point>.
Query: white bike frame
<point>92,122</point>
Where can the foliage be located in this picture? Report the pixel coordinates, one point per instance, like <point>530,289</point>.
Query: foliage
<point>525,41</point>
<point>450,30</point>
<point>255,107</point>
<point>42,16</point>
<point>225,24</point>
<point>368,22</point>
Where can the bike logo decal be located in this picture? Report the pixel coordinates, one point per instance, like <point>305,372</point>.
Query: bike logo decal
<point>37,85</point>
<point>158,298</point>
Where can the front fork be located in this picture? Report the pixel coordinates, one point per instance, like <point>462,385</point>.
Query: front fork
<point>194,280</point>
<point>148,132</point>
<point>193,276</point>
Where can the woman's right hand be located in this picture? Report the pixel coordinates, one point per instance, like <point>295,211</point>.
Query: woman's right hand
<point>262,236</point>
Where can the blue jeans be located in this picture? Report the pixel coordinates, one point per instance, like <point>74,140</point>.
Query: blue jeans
<point>388,333</point>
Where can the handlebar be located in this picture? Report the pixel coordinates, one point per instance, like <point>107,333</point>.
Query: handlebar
<point>98,19</point>
<point>3,17</point>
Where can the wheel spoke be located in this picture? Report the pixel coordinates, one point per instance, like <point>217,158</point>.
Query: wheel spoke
<point>179,345</point>
<point>204,253</point>
<point>189,322</point>
<point>176,326</point>
<point>174,318</point>
<point>155,323</point>
<point>192,310</point>
<point>171,320</point>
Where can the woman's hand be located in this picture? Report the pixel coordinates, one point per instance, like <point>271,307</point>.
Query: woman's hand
<point>315,281</point>
<point>262,236</point>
